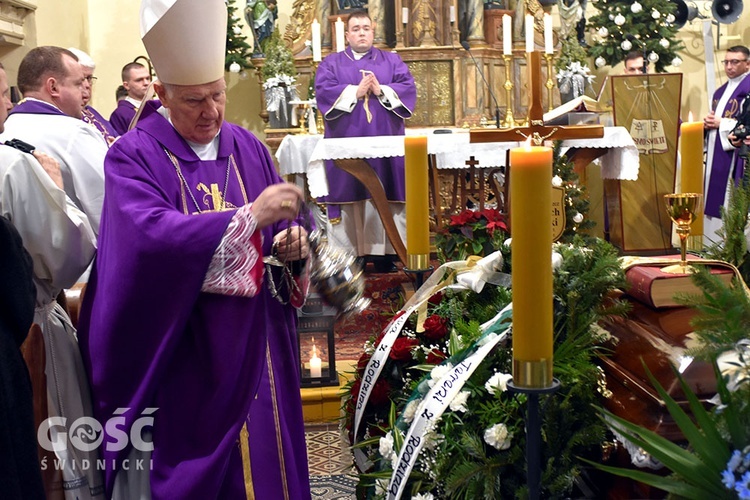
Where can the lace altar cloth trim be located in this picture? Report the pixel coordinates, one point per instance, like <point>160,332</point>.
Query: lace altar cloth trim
<point>306,154</point>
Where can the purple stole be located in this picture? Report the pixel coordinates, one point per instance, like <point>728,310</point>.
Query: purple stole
<point>34,107</point>
<point>92,116</point>
<point>724,163</point>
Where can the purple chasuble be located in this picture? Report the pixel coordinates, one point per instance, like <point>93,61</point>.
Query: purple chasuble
<point>335,73</point>
<point>92,116</point>
<point>122,116</point>
<point>151,339</point>
<point>724,163</point>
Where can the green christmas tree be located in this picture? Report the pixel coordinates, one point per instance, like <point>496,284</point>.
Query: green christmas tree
<point>645,26</point>
<point>577,202</point>
<point>238,50</point>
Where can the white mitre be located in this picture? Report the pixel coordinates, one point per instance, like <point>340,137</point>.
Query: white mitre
<point>185,39</point>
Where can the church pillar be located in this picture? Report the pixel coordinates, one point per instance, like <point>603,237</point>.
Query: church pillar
<point>475,34</point>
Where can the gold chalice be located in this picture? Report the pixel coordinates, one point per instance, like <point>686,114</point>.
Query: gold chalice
<point>681,209</point>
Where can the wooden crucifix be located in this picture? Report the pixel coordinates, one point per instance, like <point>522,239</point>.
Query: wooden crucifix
<point>536,128</point>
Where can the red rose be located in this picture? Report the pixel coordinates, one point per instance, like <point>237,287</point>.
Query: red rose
<point>435,357</point>
<point>435,327</point>
<point>401,350</point>
<point>435,299</point>
<point>380,393</point>
<point>362,363</point>
<point>355,389</point>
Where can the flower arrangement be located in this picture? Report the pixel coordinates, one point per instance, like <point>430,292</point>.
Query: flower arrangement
<point>476,448</point>
<point>471,232</point>
<point>573,74</point>
<point>279,77</point>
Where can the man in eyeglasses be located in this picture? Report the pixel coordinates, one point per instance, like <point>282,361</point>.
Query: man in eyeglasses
<point>49,117</point>
<point>90,115</point>
<point>722,162</point>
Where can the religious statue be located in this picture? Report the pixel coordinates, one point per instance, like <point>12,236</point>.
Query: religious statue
<point>261,17</point>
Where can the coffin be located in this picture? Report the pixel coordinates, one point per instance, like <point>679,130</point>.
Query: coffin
<point>658,338</point>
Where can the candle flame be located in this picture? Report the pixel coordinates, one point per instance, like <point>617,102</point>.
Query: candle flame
<point>338,20</point>
<point>690,116</point>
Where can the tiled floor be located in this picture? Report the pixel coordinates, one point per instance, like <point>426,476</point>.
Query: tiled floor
<point>327,453</point>
<point>331,471</point>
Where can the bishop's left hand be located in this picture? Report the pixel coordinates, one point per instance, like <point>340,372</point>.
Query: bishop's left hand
<point>291,245</point>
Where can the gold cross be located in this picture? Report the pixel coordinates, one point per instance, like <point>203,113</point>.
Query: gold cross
<point>536,128</point>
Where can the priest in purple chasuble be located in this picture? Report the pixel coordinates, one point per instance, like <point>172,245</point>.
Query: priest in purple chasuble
<point>722,162</point>
<point>362,92</point>
<point>189,351</point>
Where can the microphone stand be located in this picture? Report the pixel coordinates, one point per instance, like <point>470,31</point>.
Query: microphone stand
<point>465,45</point>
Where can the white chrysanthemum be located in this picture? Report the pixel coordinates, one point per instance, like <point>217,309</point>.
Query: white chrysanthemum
<point>438,372</point>
<point>498,383</point>
<point>459,402</point>
<point>411,410</point>
<point>386,445</point>
<point>557,261</point>
<point>381,487</point>
<point>432,439</point>
<point>423,496</point>
<point>498,437</point>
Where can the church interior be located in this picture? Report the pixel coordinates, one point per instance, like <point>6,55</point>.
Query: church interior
<point>628,407</point>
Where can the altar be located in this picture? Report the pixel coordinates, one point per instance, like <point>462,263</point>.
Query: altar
<point>451,153</point>
<point>306,154</point>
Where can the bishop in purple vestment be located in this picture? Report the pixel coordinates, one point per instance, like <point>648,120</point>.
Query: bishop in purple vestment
<point>362,92</point>
<point>178,324</point>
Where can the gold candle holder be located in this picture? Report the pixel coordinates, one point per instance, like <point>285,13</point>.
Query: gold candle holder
<point>303,120</point>
<point>508,121</point>
<point>550,84</point>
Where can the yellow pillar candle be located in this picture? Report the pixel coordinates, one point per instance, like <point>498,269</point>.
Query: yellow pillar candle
<point>531,248</point>
<point>691,176</point>
<point>417,202</point>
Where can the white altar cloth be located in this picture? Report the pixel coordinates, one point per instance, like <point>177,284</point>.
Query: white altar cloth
<point>306,154</point>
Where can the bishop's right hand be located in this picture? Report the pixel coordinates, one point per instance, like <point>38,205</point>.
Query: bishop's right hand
<point>277,202</point>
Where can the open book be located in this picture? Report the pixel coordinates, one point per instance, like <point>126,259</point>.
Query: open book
<point>580,104</point>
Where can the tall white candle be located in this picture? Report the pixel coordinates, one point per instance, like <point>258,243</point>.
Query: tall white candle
<point>405,15</point>
<point>529,33</point>
<point>340,42</point>
<point>548,34</point>
<point>316,51</point>
<point>452,14</point>
<point>507,36</point>
<point>316,364</point>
